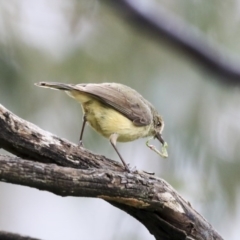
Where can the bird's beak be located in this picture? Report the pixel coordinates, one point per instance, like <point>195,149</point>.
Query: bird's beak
<point>159,137</point>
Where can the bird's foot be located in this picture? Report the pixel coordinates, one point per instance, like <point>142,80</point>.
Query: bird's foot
<point>80,143</point>
<point>149,173</point>
<point>131,169</point>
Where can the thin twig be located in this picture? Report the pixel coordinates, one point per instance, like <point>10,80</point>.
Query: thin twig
<point>162,25</point>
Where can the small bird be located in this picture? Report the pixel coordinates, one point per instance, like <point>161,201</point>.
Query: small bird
<point>116,111</point>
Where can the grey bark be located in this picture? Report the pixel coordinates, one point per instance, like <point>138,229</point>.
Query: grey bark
<point>49,163</point>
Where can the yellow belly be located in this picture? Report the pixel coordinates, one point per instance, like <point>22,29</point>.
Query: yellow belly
<point>109,121</point>
<point>106,121</point>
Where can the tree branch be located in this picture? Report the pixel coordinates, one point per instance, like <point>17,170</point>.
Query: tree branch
<point>160,24</point>
<point>28,141</point>
<point>147,198</point>
<point>12,236</point>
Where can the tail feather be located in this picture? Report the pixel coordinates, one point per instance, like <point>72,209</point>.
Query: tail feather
<point>56,85</point>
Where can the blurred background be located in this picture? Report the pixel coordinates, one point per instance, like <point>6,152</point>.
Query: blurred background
<point>83,41</point>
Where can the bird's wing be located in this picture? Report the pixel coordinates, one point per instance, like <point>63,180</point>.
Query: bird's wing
<point>123,99</point>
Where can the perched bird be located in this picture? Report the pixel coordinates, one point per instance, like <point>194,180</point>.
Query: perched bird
<point>116,111</point>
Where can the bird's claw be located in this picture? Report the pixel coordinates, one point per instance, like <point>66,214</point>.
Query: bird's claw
<point>131,169</point>
<point>149,173</point>
<point>80,143</point>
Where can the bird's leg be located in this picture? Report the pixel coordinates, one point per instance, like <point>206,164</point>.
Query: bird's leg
<point>163,153</point>
<point>113,141</point>
<point>82,130</point>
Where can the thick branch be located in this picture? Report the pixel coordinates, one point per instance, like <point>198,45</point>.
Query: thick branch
<point>160,24</point>
<point>28,141</point>
<point>147,198</point>
<point>12,236</point>
<point>141,195</point>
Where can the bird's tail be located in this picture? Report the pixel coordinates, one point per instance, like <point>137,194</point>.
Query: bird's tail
<point>56,85</point>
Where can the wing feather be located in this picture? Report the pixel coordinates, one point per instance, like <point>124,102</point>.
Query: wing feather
<point>123,99</point>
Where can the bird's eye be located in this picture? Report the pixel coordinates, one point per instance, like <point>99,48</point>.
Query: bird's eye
<point>159,124</point>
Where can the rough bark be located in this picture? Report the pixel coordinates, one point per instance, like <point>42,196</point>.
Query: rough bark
<point>13,236</point>
<point>49,163</point>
